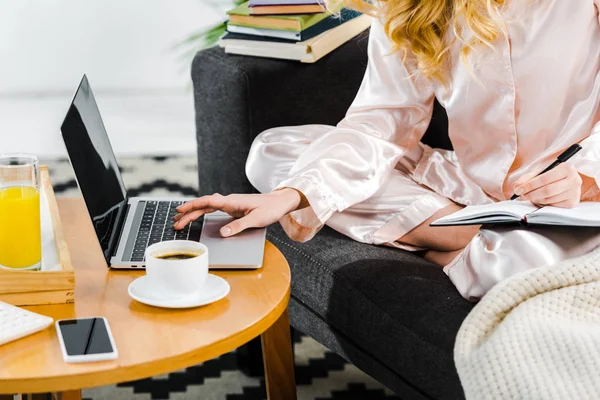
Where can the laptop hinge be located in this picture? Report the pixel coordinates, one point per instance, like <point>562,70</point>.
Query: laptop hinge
<point>122,216</point>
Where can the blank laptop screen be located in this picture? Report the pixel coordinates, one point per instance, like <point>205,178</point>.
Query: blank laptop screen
<point>95,165</point>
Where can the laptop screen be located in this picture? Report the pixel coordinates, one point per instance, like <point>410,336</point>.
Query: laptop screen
<point>95,166</point>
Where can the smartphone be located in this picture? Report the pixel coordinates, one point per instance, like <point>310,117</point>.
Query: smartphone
<point>86,340</point>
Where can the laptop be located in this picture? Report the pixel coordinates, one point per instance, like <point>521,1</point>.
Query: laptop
<point>125,225</point>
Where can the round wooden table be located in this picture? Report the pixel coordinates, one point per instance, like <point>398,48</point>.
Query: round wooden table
<point>150,340</point>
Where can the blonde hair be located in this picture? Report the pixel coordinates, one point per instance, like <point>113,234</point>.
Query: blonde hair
<point>421,27</point>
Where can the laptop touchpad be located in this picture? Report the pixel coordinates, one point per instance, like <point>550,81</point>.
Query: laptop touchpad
<point>244,250</point>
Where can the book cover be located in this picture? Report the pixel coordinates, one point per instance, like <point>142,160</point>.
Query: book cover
<point>287,10</point>
<point>240,15</point>
<point>331,22</point>
<point>254,3</point>
<point>242,38</point>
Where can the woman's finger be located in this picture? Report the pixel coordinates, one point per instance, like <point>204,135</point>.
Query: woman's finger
<point>251,220</point>
<point>206,211</point>
<point>215,201</point>
<point>191,216</point>
<point>550,201</point>
<point>563,171</point>
<point>547,178</point>
<point>523,179</point>
<point>548,191</point>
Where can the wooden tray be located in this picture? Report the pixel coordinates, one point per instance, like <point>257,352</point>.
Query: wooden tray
<point>26,288</point>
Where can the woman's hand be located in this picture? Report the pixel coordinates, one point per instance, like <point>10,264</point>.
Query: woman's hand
<point>559,187</point>
<point>252,210</point>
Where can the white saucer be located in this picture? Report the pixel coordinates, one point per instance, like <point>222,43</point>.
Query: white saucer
<point>215,288</point>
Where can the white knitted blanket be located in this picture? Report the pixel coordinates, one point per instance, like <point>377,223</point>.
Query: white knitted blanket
<point>535,335</point>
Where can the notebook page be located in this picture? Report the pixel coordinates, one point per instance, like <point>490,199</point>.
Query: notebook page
<point>584,214</point>
<point>495,212</point>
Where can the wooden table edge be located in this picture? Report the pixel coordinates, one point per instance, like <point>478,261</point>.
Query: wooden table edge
<point>148,369</point>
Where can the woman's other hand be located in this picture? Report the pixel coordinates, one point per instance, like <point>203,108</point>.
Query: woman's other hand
<point>251,210</point>
<point>559,187</point>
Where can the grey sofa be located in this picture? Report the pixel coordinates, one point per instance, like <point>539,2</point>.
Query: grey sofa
<point>390,313</point>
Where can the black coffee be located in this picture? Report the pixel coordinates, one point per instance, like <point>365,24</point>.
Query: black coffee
<point>177,255</point>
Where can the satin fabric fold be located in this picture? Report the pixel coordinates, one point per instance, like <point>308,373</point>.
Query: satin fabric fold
<point>497,253</point>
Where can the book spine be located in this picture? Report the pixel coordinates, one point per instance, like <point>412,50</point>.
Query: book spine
<point>265,22</point>
<point>258,3</point>
<point>273,33</point>
<point>286,10</point>
<point>255,45</point>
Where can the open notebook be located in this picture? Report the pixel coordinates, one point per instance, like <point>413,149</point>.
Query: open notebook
<point>507,212</point>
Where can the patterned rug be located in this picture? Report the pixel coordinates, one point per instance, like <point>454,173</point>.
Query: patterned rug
<point>320,374</point>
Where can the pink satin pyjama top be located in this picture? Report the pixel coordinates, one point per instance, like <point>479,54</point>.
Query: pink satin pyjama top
<point>525,101</point>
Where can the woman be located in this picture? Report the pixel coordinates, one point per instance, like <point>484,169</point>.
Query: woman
<point>520,81</point>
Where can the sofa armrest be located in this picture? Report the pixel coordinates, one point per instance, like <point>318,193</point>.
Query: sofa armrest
<point>237,97</point>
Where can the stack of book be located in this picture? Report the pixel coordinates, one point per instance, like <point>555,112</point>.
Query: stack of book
<point>299,30</point>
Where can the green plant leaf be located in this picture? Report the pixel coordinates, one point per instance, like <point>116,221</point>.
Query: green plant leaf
<point>196,41</point>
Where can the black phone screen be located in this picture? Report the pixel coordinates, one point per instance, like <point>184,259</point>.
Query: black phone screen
<point>85,336</point>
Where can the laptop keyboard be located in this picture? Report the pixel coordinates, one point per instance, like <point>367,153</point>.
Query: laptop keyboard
<point>157,226</point>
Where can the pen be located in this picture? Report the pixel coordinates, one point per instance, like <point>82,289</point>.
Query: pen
<point>568,153</point>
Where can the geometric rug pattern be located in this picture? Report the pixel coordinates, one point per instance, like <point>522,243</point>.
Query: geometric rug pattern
<point>320,374</point>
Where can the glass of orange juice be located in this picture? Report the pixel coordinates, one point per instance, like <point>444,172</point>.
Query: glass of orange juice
<point>20,231</point>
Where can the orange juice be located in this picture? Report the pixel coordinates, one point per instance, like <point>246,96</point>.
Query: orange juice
<point>20,236</point>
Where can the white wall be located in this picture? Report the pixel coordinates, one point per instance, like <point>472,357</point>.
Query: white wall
<point>125,47</point>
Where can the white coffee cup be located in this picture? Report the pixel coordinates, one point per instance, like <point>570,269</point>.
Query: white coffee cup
<point>170,278</point>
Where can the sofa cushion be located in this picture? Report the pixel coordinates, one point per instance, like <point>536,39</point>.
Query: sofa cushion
<point>396,306</point>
